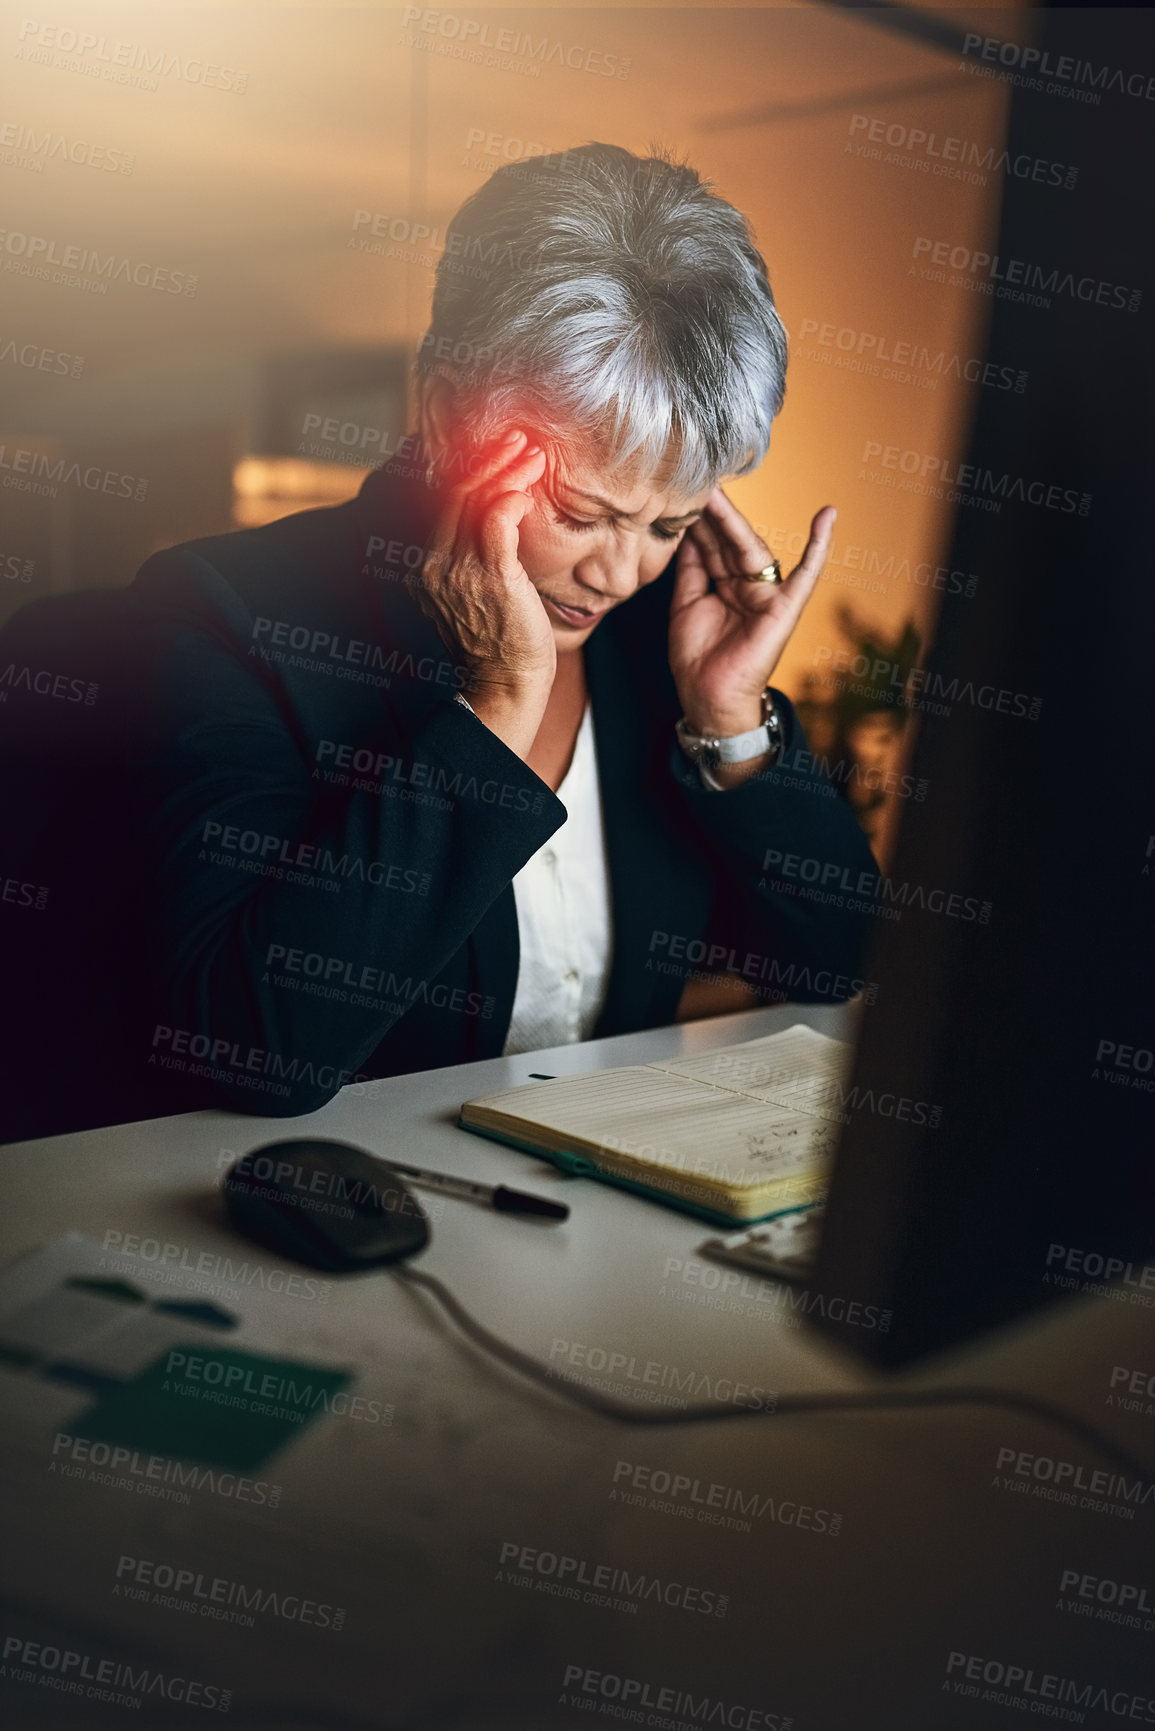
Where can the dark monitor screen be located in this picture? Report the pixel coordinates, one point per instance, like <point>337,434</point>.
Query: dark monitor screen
<point>998,1149</point>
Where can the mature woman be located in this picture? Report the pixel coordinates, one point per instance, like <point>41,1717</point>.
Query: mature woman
<point>486,760</point>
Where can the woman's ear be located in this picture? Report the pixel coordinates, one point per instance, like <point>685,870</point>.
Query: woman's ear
<point>436,413</point>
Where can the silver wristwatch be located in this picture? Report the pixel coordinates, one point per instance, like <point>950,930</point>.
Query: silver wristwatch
<point>707,751</point>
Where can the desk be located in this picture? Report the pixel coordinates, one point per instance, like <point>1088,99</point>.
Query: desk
<point>433,1531</point>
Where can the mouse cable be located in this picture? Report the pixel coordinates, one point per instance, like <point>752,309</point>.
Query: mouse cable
<point>1003,1399</point>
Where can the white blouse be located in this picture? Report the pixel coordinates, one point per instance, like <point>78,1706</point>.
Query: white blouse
<point>564,917</point>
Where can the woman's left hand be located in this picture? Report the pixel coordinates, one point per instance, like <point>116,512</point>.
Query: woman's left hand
<point>726,633</point>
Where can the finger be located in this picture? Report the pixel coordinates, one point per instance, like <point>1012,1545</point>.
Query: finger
<point>711,549</point>
<point>498,524</point>
<point>472,466</point>
<point>524,469</point>
<point>474,473</point>
<point>747,552</point>
<point>792,594</point>
<point>691,578</point>
<point>517,474</point>
<point>806,573</point>
<point>460,471</point>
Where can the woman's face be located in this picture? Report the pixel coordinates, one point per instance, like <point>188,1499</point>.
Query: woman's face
<point>594,537</point>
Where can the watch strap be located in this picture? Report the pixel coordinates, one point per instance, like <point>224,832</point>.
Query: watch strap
<point>709,750</point>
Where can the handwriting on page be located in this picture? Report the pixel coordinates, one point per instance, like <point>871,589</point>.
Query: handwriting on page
<point>788,1147</point>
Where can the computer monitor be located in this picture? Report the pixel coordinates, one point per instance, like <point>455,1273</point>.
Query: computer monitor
<point>1020,1167</point>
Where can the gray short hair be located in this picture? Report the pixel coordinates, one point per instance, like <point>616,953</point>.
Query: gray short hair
<point>616,303</point>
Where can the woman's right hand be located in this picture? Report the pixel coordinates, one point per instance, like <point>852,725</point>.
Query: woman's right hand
<point>475,590</point>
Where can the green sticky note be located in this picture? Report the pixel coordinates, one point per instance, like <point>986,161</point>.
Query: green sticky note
<point>217,1407</point>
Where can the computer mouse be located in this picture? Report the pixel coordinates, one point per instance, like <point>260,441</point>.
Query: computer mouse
<point>326,1204</point>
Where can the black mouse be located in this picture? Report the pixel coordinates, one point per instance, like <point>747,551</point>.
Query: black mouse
<point>326,1204</point>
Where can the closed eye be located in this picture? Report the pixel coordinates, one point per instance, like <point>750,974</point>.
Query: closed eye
<point>573,523</point>
<point>578,527</point>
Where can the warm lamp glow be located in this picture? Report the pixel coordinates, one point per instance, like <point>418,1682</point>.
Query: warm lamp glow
<point>265,488</point>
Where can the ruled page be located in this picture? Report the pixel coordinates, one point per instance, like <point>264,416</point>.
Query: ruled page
<point>645,1120</point>
<point>799,1068</point>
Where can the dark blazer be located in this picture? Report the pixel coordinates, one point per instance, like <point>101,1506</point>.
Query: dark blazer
<point>274,855</point>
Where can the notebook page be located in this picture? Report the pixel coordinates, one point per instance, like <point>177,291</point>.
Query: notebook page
<point>645,1119</point>
<point>799,1068</point>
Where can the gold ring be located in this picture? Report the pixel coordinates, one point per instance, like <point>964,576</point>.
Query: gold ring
<point>771,573</point>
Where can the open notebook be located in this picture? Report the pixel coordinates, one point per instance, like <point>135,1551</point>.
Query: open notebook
<point>732,1135</point>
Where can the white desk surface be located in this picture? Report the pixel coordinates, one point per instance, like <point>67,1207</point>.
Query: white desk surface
<point>403,1524</point>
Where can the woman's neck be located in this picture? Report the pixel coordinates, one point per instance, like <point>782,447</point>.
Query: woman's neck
<point>552,751</point>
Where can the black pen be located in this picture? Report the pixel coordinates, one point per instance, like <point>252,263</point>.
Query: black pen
<point>498,1196</point>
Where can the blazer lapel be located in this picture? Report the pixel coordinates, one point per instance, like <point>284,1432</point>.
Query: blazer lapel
<point>494,955</point>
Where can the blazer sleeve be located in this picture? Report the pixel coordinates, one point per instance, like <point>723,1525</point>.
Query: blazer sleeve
<point>790,854</point>
<point>254,858</point>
